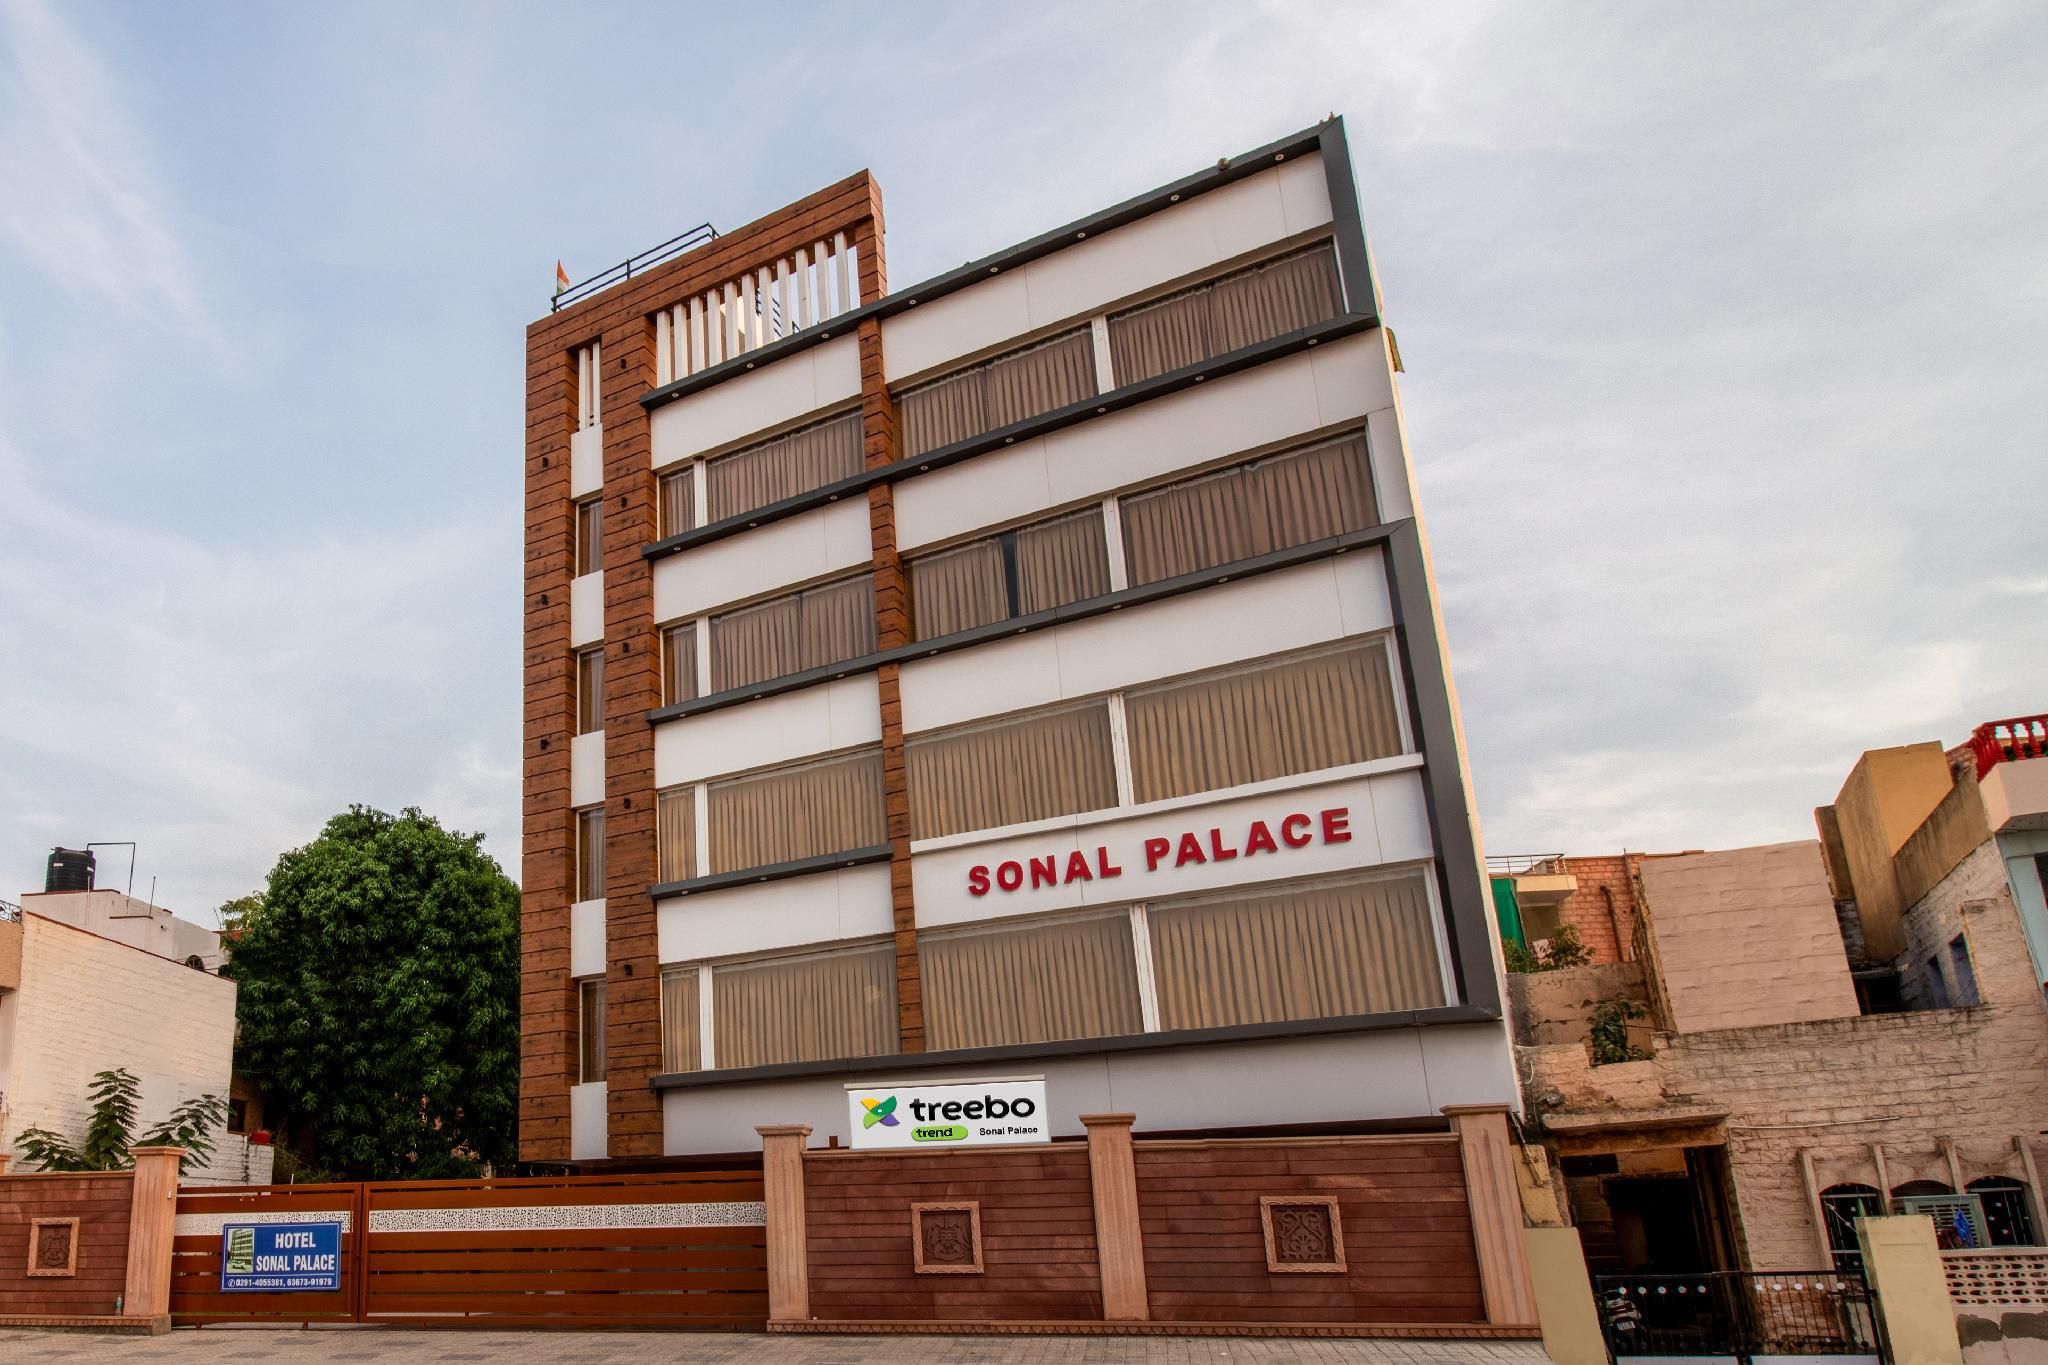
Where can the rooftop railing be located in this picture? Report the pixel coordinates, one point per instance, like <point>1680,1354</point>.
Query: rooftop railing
<point>653,256</point>
<point>1513,864</point>
<point>2007,741</point>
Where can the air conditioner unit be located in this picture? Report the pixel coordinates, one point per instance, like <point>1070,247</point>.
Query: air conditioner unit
<point>1958,1218</point>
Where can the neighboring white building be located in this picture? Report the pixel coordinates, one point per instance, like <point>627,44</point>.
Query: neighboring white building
<point>80,994</point>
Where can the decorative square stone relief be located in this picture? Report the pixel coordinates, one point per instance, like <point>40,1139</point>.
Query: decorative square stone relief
<point>945,1239</point>
<point>53,1246</point>
<point>1304,1234</point>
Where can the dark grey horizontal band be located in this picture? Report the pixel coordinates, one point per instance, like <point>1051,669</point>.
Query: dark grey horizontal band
<point>1101,405</point>
<point>1319,138</point>
<point>1037,620</point>
<point>1082,1047</point>
<point>773,872</point>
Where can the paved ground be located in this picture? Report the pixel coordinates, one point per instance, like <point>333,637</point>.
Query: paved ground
<point>386,1346</point>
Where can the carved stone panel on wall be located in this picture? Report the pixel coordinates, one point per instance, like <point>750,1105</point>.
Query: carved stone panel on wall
<point>945,1239</point>
<point>53,1246</point>
<point>1304,1234</point>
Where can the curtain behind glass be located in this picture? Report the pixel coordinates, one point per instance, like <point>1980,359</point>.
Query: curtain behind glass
<point>589,690</point>
<point>1026,769</point>
<point>801,812</point>
<point>590,854</point>
<point>994,394</point>
<point>590,1030</point>
<point>958,589</point>
<point>1060,561</point>
<point>678,664</point>
<point>805,1009</point>
<point>838,622</point>
<point>1032,983</point>
<point>675,835</point>
<point>679,500</point>
<point>589,536</point>
<point>1224,315</point>
<point>828,624</point>
<point>1276,719</point>
<point>680,1049</point>
<point>784,467</point>
<point>1315,953</point>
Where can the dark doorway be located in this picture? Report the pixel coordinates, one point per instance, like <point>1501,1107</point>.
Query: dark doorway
<point>1656,1230</point>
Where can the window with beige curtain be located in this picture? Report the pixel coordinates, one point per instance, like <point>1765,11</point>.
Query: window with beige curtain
<point>1251,509</point>
<point>589,536</point>
<point>827,624</point>
<point>679,500</point>
<point>590,1030</point>
<point>1295,714</point>
<point>995,393</point>
<point>1035,982</point>
<point>680,1020</point>
<point>797,462</point>
<point>806,811</point>
<point>589,689</point>
<point>675,835</point>
<point>590,854</point>
<point>678,664</point>
<point>1313,952</point>
<point>1023,768</point>
<point>806,1008</point>
<point>1223,315</point>
<point>1033,568</point>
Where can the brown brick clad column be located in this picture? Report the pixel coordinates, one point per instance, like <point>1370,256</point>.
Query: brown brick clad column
<point>789,1250</point>
<point>152,1218</point>
<point>547,1003</point>
<point>1495,1199</point>
<point>632,687</point>
<point>1119,1244</point>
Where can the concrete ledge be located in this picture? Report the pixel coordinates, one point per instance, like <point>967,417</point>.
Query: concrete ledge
<point>109,1325</point>
<point>1406,1331</point>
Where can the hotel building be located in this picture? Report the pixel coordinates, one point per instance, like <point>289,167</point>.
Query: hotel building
<point>1033,672</point>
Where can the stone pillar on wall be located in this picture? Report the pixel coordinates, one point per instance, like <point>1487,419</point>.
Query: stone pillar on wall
<point>152,1216</point>
<point>1494,1196</point>
<point>1119,1245</point>
<point>782,1181</point>
<point>1903,1264</point>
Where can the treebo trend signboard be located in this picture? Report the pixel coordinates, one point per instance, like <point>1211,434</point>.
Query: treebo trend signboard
<point>949,1114</point>
<point>280,1258</point>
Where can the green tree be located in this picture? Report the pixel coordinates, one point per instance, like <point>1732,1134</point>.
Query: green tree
<point>379,1000</point>
<point>109,1131</point>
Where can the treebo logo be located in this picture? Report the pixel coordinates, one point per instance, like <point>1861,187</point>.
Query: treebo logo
<point>881,1111</point>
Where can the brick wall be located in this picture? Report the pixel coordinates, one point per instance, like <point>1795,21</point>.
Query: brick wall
<point>88,1004</point>
<point>100,1203</point>
<point>1603,903</point>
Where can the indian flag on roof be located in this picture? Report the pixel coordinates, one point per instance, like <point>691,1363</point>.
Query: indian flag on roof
<point>561,278</point>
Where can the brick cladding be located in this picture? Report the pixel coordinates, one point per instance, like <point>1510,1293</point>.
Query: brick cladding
<point>1603,907</point>
<point>620,320</point>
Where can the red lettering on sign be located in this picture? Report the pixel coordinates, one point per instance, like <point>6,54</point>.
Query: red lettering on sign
<point>977,881</point>
<point>1288,827</point>
<point>1190,851</point>
<point>1045,871</point>
<point>1216,848</point>
<point>1103,866</point>
<point>1155,849</point>
<point>1010,876</point>
<point>1260,840</point>
<point>1337,825</point>
<point>1077,867</point>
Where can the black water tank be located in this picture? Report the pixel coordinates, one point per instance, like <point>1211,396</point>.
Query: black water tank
<point>70,869</point>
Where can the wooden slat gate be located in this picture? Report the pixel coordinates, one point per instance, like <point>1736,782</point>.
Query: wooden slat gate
<point>685,1250</point>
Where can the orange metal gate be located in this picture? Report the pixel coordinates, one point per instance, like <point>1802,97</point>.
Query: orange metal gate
<point>671,1250</point>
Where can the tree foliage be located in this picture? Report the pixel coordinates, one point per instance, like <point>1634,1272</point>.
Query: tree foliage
<point>379,999</point>
<point>109,1131</point>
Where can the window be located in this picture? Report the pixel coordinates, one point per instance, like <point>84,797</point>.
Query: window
<point>1224,315</point>
<point>806,811</point>
<point>1966,978</point>
<point>1315,952</point>
<point>678,491</point>
<point>1033,568</point>
<point>1840,1208</point>
<point>675,835</point>
<point>1025,768</point>
<point>1273,719</point>
<point>1034,982</point>
<point>589,394</point>
<point>678,664</point>
<point>2008,1212</point>
<point>590,1030</point>
<point>590,854</point>
<point>794,463</point>
<point>589,689</point>
<point>1253,509</point>
<point>680,1016</point>
<point>984,397</point>
<point>238,1116</point>
<point>589,536</point>
<point>824,625</point>
<point>1937,986</point>
<point>805,1007</point>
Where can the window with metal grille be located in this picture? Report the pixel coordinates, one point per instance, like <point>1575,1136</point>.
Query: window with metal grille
<point>2008,1210</point>
<point>1958,1218</point>
<point>1842,1207</point>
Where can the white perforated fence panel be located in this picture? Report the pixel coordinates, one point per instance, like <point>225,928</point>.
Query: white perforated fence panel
<point>2006,1278</point>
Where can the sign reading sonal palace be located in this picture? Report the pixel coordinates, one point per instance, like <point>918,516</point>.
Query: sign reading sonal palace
<point>1217,844</point>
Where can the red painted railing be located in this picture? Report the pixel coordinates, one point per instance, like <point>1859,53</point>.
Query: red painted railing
<point>2004,741</point>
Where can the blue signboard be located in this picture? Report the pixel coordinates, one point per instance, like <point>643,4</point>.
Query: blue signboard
<point>277,1258</point>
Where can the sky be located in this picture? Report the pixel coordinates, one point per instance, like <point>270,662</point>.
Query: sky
<point>1723,325</point>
